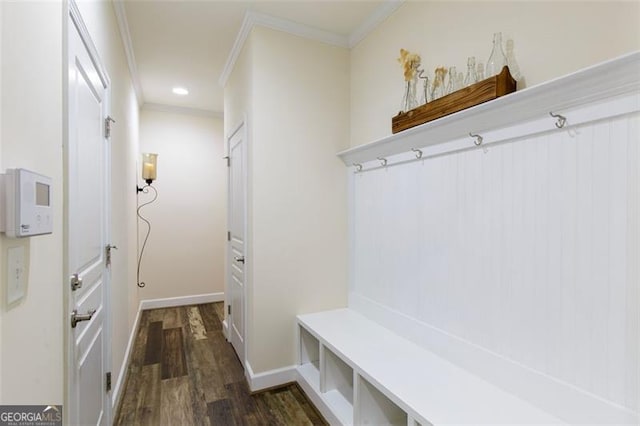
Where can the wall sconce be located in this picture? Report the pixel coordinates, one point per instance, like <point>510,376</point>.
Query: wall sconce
<point>149,168</point>
<point>149,174</point>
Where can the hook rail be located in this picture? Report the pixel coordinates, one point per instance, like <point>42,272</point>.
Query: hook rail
<point>478,139</point>
<point>561,120</point>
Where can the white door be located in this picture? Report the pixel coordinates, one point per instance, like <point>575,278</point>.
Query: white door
<point>236,276</point>
<point>87,218</point>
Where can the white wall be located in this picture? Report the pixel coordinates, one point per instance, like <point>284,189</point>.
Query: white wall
<point>31,341</point>
<point>551,39</point>
<point>101,22</point>
<point>31,344</point>
<point>297,195</point>
<point>185,252</point>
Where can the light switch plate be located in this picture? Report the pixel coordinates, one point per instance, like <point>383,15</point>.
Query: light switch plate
<point>15,274</point>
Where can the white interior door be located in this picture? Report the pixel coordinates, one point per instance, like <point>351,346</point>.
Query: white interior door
<point>236,276</point>
<point>87,231</point>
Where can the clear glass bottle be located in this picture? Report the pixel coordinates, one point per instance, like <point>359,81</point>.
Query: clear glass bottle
<point>472,76</point>
<point>514,68</point>
<point>497,59</point>
<point>409,100</point>
<point>425,88</point>
<point>437,89</point>
<point>451,85</point>
<point>480,72</point>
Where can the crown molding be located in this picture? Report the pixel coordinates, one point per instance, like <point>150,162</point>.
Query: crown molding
<point>245,29</point>
<point>125,35</point>
<point>371,23</point>
<point>253,18</point>
<point>182,110</point>
<point>297,29</point>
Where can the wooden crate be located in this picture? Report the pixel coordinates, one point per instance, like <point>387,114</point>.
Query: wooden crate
<point>482,91</point>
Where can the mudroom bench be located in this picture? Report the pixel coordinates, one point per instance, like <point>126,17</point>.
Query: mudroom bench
<point>358,372</point>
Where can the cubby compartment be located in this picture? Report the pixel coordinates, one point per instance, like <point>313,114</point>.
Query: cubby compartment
<point>374,408</point>
<point>337,385</point>
<point>412,422</point>
<point>309,358</point>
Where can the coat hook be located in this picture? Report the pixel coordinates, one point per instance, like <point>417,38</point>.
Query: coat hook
<point>417,152</point>
<point>561,120</point>
<point>358,167</point>
<point>478,138</point>
<point>383,161</point>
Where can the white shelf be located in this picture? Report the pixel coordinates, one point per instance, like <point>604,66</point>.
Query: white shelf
<point>597,82</point>
<point>338,376</point>
<point>425,387</point>
<point>309,348</point>
<point>374,408</point>
<point>311,373</point>
<point>340,405</point>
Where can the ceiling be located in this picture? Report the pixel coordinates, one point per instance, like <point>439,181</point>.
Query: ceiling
<point>188,43</point>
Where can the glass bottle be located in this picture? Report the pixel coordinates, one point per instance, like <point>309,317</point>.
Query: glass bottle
<point>497,59</point>
<point>425,87</point>
<point>437,89</point>
<point>480,71</point>
<point>514,68</point>
<point>472,76</point>
<point>409,100</point>
<point>452,81</point>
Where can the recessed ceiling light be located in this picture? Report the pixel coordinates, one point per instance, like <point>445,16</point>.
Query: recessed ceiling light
<point>180,91</point>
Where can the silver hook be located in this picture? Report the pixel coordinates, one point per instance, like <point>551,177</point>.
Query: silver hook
<point>358,167</point>
<point>383,161</point>
<point>478,138</point>
<point>417,152</point>
<point>561,120</point>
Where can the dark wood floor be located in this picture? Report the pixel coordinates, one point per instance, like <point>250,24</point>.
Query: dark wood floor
<point>184,372</point>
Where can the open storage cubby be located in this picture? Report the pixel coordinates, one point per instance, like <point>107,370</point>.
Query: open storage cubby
<point>336,384</point>
<point>374,408</point>
<point>310,357</point>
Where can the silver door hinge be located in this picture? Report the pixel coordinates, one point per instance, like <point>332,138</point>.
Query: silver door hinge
<point>228,235</point>
<point>107,126</point>
<point>107,256</point>
<point>75,281</point>
<point>228,309</point>
<point>226,157</point>
<point>108,381</point>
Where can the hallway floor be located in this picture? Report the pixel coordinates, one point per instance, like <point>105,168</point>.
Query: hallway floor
<point>184,372</point>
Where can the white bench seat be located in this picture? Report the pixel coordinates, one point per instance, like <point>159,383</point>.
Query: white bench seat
<point>429,389</point>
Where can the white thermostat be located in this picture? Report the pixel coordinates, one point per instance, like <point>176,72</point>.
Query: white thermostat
<point>27,204</point>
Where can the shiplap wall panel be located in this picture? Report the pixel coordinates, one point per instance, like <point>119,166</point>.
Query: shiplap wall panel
<point>528,249</point>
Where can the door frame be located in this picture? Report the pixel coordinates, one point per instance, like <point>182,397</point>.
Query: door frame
<point>74,22</point>
<point>240,127</point>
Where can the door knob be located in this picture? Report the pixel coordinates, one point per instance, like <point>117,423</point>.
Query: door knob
<point>239,259</point>
<point>76,317</point>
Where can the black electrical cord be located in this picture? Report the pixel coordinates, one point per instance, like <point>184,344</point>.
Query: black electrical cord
<point>144,190</point>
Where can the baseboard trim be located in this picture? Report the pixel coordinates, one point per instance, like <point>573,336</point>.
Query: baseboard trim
<point>225,329</point>
<point>271,378</point>
<point>116,396</point>
<point>181,301</point>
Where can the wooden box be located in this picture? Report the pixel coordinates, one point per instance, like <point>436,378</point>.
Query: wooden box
<point>482,91</point>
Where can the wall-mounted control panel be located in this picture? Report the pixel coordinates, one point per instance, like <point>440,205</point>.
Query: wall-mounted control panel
<point>27,204</point>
